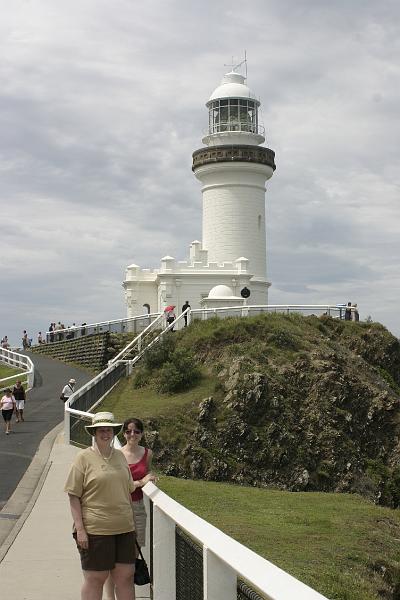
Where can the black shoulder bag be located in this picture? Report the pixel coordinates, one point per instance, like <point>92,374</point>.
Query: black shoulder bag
<point>142,576</point>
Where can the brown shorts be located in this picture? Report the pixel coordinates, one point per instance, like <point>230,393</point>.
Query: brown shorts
<point>106,550</point>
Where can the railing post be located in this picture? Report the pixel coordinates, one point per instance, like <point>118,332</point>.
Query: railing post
<point>164,556</point>
<point>67,420</point>
<point>220,580</point>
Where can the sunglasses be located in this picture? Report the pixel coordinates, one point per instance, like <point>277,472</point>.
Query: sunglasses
<point>132,431</point>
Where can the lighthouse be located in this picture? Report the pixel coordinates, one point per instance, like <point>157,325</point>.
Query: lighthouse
<point>233,168</point>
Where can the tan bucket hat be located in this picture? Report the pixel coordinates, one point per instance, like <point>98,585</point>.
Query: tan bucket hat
<point>103,419</point>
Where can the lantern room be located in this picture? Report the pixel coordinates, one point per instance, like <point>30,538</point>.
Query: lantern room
<point>233,109</point>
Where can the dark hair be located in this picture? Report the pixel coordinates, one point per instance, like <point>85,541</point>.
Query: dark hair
<point>137,422</point>
<point>8,391</point>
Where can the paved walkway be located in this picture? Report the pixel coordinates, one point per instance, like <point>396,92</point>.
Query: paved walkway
<point>43,411</point>
<point>38,557</point>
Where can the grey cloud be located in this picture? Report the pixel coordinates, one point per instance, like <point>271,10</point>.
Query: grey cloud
<point>102,105</point>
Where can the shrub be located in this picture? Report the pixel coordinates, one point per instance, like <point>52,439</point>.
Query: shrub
<point>179,373</point>
<point>160,353</point>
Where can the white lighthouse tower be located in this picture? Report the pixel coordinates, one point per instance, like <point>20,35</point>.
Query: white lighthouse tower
<point>233,169</point>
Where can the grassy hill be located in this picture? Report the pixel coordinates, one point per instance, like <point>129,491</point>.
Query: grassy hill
<point>283,404</point>
<point>339,544</point>
<point>298,403</point>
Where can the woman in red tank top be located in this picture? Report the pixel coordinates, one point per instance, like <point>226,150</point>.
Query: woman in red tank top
<point>139,460</point>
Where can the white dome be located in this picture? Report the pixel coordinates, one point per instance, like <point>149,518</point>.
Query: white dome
<point>232,86</point>
<point>220,291</point>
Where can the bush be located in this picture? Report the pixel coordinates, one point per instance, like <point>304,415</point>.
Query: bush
<point>141,378</point>
<point>179,373</point>
<point>160,353</point>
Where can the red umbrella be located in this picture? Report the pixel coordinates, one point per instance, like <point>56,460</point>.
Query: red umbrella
<point>170,307</point>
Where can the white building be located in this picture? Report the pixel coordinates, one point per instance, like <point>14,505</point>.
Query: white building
<point>233,169</point>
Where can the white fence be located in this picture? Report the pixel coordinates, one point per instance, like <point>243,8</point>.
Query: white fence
<point>223,561</point>
<point>141,322</point>
<point>131,325</point>
<point>17,361</point>
<point>254,310</point>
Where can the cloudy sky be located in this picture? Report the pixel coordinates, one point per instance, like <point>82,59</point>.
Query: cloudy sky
<point>102,105</point>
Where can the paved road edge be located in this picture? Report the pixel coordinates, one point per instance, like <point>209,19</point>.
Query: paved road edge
<point>27,491</point>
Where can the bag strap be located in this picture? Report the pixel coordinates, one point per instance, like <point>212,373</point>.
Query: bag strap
<point>140,551</point>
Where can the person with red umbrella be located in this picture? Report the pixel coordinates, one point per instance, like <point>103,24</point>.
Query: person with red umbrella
<point>170,314</point>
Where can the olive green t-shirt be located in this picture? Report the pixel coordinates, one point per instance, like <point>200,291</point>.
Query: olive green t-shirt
<point>104,489</point>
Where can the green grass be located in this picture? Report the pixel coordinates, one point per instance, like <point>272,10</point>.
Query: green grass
<point>125,401</point>
<point>336,543</point>
<point>6,371</point>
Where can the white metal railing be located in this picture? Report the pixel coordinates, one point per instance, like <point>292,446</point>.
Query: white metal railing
<point>138,342</point>
<point>93,392</point>
<point>135,324</point>
<point>17,361</point>
<point>253,310</point>
<point>128,325</point>
<point>224,559</point>
<point>177,323</point>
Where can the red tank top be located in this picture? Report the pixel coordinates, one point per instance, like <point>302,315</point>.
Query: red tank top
<point>139,470</point>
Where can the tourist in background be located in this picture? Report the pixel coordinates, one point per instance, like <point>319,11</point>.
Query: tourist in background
<point>20,398</point>
<point>354,313</point>
<point>25,340</point>
<point>4,343</point>
<point>7,403</point>
<point>68,390</point>
<point>347,312</point>
<point>185,307</point>
<point>99,487</point>
<point>170,315</point>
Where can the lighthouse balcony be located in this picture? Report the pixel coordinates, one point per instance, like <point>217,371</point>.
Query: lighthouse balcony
<point>233,153</point>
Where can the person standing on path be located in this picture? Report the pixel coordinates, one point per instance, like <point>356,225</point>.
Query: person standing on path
<point>99,486</point>
<point>184,307</point>
<point>139,462</point>
<point>25,341</point>
<point>68,390</point>
<point>20,398</point>
<point>7,408</point>
<point>347,312</point>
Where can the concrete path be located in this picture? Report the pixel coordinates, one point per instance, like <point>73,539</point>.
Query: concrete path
<point>43,411</point>
<point>39,559</point>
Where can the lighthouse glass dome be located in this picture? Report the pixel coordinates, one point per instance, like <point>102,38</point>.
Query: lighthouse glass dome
<point>233,107</point>
<point>233,114</point>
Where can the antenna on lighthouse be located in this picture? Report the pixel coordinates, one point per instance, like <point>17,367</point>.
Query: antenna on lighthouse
<point>235,66</point>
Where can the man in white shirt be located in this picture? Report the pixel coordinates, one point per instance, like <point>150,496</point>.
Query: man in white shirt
<point>68,390</point>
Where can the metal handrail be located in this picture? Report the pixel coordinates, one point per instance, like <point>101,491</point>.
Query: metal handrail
<point>158,337</point>
<point>98,327</point>
<point>16,360</point>
<point>138,340</point>
<point>245,310</point>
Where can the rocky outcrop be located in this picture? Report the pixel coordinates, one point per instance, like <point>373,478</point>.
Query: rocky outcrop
<point>316,411</point>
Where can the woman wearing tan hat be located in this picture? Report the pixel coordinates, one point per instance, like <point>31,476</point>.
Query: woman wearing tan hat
<point>99,486</point>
